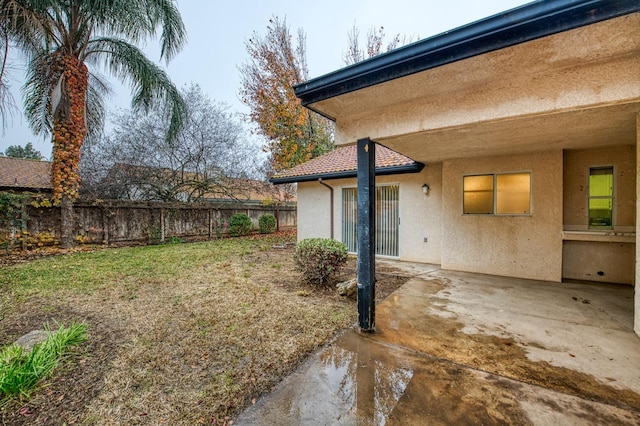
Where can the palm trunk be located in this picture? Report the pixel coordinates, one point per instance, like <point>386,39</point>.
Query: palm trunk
<point>69,130</point>
<point>66,221</point>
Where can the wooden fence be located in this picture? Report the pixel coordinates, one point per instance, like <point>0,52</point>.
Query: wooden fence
<point>123,223</point>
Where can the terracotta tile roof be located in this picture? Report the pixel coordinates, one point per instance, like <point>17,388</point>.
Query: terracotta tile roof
<point>343,160</point>
<point>20,173</point>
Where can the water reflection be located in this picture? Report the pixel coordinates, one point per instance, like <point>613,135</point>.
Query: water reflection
<point>368,385</point>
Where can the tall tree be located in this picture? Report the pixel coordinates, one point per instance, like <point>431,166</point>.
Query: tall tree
<point>7,103</point>
<point>62,39</point>
<point>28,151</point>
<point>210,157</point>
<point>373,46</point>
<point>293,133</point>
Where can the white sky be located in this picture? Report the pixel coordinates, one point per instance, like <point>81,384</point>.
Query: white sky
<point>217,31</point>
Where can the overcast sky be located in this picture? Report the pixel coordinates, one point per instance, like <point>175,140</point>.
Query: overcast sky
<point>217,31</point>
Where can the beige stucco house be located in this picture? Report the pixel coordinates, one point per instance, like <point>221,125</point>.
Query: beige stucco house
<point>527,123</point>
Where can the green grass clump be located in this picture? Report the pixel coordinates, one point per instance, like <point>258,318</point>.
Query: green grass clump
<point>20,370</point>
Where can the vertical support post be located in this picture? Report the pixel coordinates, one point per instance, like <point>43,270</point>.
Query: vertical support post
<point>366,234</point>
<point>636,305</point>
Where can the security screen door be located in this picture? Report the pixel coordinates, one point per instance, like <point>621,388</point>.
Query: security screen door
<point>387,219</point>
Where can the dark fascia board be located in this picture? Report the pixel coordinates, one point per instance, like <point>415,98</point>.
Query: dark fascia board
<point>515,26</point>
<point>382,171</point>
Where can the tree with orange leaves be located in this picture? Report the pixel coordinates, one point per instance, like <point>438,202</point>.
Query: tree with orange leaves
<point>65,40</point>
<point>293,133</point>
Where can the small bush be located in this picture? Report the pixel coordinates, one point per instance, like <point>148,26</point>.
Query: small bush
<point>175,240</point>
<point>319,259</point>
<point>267,223</point>
<point>240,224</point>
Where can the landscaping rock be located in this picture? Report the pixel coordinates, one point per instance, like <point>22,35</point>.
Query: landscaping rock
<point>348,288</point>
<point>32,338</point>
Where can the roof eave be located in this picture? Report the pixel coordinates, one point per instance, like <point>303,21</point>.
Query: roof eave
<point>382,171</point>
<point>515,26</point>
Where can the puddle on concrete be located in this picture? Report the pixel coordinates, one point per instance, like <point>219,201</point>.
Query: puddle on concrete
<point>358,381</point>
<point>446,377</point>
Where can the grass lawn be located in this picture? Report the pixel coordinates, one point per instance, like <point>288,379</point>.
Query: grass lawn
<point>177,334</point>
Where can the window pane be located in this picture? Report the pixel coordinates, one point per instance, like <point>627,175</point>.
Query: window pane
<point>478,194</point>
<point>601,197</point>
<point>601,182</point>
<point>350,218</point>
<point>513,193</point>
<point>600,213</point>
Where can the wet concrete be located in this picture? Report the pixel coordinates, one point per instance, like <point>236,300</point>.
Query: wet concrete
<point>445,350</point>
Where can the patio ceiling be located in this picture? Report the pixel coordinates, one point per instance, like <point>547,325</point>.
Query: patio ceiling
<point>598,127</point>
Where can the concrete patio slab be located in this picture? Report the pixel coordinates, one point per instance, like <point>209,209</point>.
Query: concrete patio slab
<point>459,348</point>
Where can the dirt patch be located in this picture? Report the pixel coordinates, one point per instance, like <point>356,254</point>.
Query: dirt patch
<point>193,349</point>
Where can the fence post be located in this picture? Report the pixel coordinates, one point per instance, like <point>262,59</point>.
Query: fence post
<point>162,225</point>
<point>210,216</point>
<point>23,223</point>
<point>105,225</point>
<point>277,220</point>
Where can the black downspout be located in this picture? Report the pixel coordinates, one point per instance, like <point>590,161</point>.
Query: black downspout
<point>366,234</point>
<point>330,203</point>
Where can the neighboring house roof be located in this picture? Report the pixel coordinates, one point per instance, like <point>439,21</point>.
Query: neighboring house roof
<point>342,163</point>
<point>518,25</point>
<point>22,174</point>
<point>219,188</point>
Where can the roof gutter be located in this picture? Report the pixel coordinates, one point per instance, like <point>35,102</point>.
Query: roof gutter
<point>392,170</point>
<point>518,25</point>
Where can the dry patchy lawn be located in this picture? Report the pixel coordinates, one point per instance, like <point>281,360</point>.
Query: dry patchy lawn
<point>179,334</point>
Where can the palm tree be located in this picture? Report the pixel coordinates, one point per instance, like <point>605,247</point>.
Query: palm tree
<point>66,42</point>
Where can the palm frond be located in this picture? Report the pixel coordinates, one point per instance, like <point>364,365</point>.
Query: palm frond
<point>95,110</point>
<point>149,83</point>
<point>166,14</point>
<point>42,77</point>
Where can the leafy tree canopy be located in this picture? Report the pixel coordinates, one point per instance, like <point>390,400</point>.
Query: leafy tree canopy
<point>27,151</point>
<point>293,133</point>
<point>209,158</point>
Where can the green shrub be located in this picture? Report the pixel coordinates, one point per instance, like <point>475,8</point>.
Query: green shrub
<point>175,240</point>
<point>319,259</point>
<point>267,223</point>
<point>240,224</point>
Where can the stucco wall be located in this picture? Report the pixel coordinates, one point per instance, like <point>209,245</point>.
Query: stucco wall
<point>576,191</point>
<point>518,246</point>
<point>601,260</point>
<point>611,262</point>
<point>420,215</point>
<point>314,217</point>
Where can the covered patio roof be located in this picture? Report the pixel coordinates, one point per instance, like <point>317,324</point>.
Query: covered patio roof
<point>342,163</point>
<point>558,74</point>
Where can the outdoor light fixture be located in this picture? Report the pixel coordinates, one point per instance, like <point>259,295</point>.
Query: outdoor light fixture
<point>425,189</point>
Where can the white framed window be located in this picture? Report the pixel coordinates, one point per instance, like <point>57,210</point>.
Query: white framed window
<point>497,194</point>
